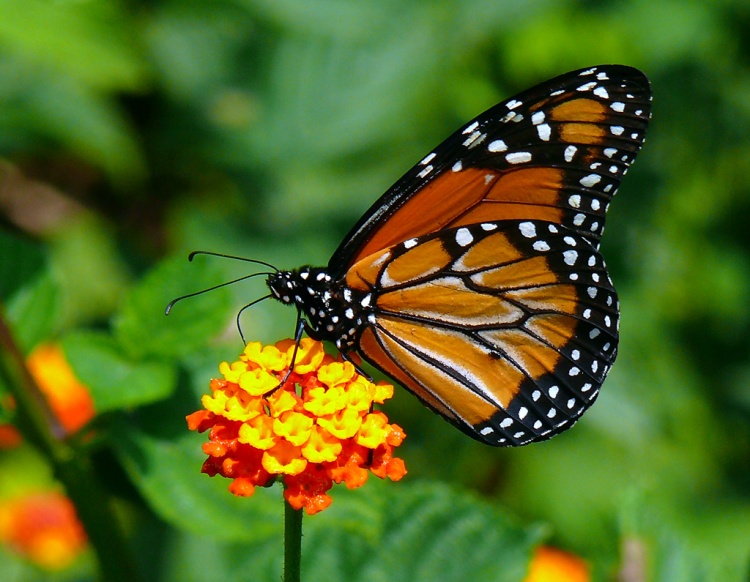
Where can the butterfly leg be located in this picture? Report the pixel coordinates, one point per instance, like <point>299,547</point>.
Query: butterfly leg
<point>360,371</point>
<point>301,326</point>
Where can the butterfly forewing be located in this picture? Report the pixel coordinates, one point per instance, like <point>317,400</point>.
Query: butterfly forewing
<point>556,152</point>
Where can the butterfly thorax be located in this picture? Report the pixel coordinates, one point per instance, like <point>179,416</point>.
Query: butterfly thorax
<point>334,312</point>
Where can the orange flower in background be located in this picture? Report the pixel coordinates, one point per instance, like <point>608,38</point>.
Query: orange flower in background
<point>44,528</point>
<point>10,438</point>
<point>552,565</point>
<point>316,430</point>
<point>69,399</point>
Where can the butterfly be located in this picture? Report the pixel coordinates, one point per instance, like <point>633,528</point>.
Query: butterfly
<point>476,281</point>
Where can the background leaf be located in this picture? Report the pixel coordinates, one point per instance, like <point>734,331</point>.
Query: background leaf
<point>115,381</point>
<point>140,325</point>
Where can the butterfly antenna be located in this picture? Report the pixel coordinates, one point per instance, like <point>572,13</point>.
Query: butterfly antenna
<point>239,313</point>
<point>233,257</point>
<point>220,285</point>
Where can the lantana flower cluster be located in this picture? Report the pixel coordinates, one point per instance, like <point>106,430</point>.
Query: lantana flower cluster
<point>550,564</point>
<point>318,429</point>
<point>70,400</point>
<point>43,527</point>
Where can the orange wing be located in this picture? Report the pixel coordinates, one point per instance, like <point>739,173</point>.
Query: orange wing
<point>505,328</point>
<point>556,152</point>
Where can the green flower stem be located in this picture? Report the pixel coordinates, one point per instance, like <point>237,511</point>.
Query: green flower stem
<point>292,543</point>
<point>71,466</point>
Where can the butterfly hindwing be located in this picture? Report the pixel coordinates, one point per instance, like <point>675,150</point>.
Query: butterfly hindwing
<point>505,328</point>
<point>556,152</point>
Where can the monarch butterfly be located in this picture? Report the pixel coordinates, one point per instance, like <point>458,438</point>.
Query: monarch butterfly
<point>476,281</point>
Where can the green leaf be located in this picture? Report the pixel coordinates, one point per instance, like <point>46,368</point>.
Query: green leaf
<point>414,531</point>
<point>89,41</point>
<point>92,275</point>
<point>115,381</point>
<point>166,469</point>
<point>34,311</point>
<point>89,123</point>
<point>20,261</point>
<point>143,330</point>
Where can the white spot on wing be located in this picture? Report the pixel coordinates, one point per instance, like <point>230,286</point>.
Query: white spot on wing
<point>590,181</point>
<point>527,229</point>
<point>497,146</point>
<point>570,151</point>
<point>474,139</point>
<point>544,131</point>
<point>518,157</point>
<point>463,237</point>
<point>471,127</point>
<point>426,171</point>
<point>427,159</point>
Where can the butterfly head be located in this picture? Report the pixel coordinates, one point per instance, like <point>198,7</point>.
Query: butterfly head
<point>333,311</point>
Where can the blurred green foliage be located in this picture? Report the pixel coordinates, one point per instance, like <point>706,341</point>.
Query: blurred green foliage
<point>134,132</point>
